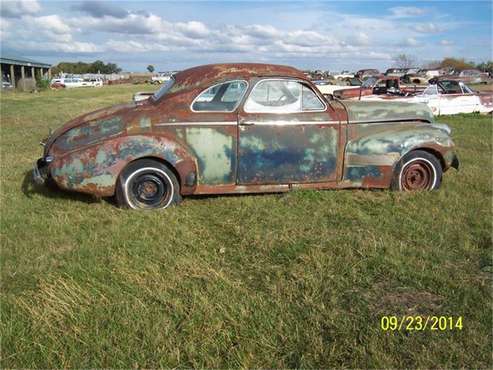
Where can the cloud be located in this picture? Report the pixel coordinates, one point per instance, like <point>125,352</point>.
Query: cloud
<point>19,8</point>
<point>428,28</point>
<point>99,9</point>
<point>407,11</point>
<point>52,23</point>
<point>446,42</point>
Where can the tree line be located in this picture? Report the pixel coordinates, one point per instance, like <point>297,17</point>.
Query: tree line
<point>458,64</point>
<point>80,68</point>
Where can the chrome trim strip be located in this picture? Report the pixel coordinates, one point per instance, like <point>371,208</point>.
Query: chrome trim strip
<point>291,123</point>
<point>198,123</point>
<point>384,122</point>
<point>249,123</point>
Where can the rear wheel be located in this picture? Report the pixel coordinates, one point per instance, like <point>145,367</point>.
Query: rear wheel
<point>417,170</point>
<point>147,184</point>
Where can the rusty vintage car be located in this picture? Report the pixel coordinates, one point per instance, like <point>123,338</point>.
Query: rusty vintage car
<point>244,128</point>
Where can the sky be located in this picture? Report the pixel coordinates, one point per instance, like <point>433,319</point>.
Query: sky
<point>329,35</point>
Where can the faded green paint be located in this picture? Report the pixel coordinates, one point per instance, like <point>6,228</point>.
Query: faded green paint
<point>361,111</point>
<point>145,122</point>
<point>82,171</point>
<point>90,133</point>
<point>215,152</point>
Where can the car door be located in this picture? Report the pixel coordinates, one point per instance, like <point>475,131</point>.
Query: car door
<point>286,135</point>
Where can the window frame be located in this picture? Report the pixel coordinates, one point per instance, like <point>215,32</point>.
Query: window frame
<point>301,82</point>
<point>221,111</point>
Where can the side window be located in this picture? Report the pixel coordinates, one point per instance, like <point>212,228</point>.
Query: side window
<point>223,97</point>
<point>311,100</point>
<point>282,96</point>
<point>431,90</point>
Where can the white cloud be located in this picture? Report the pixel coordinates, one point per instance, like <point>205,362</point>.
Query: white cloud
<point>19,8</point>
<point>407,11</point>
<point>446,42</point>
<point>428,28</point>
<point>52,23</point>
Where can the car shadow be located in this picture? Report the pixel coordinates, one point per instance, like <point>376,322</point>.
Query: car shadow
<point>51,190</point>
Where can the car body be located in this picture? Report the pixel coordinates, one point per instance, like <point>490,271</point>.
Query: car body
<point>390,85</point>
<point>396,72</point>
<point>343,75</point>
<point>447,97</point>
<point>471,76</point>
<point>242,128</point>
<point>362,73</point>
<point>74,82</point>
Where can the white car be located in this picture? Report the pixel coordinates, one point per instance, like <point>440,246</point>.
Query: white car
<point>447,97</point>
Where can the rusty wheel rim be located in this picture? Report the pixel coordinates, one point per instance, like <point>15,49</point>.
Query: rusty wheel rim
<point>418,175</point>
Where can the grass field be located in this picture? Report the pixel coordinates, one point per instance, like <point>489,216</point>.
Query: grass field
<point>294,280</point>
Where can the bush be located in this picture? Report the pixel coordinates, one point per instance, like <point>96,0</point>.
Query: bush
<point>42,83</point>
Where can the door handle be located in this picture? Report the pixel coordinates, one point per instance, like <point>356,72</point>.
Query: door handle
<point>246,123</point>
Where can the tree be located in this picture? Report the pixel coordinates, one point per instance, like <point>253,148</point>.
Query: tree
<point>404,61</point>
<point>80,68</point>
<point>485,66</point>
<point>456,64</point>
<point>150,68</point>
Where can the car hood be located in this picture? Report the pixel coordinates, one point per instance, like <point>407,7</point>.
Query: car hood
<point>381,111</point>
<point>89,127</point>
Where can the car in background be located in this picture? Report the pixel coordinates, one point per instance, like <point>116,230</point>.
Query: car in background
<point>471,76</point>
<point>244,128</point>
<point>446,97</point>
<point>363,73</point>
<point>396,72</point>
<point>74,82</point>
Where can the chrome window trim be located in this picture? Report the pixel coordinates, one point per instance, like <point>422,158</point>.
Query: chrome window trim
<point>220,111</point>
<point>302,82</point>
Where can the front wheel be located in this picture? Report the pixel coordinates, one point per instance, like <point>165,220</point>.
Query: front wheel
<point>147,184</point>
<point>417,170</point>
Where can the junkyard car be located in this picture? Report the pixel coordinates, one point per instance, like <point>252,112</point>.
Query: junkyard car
<point>447,97</point>
<point>244,128</point>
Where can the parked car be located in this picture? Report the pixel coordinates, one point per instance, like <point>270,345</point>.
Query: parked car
<point>73,82</point>
<point>396,72</point>
<point>362,73</point>
<point>472,76</point>
<point>244,128</point>
<point>447,97</point>
<point>390,85</point>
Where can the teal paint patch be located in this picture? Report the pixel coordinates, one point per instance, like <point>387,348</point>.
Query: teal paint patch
<point>361,111</point>
<point>359,173</point>
<point>145,122</point>
<point>215,153</point>
<point>89,133</point>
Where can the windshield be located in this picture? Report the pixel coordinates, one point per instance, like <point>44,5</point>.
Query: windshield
<point>369,82</point>
<point>164,89</point>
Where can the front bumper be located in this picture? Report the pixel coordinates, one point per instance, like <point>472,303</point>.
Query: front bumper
<point>40,171</point>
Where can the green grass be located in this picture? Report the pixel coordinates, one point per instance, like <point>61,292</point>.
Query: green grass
<point>294,280</point>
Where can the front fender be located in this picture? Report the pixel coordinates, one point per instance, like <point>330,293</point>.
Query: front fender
<point>95,169</point>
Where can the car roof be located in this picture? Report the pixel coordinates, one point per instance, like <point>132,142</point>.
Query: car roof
<point>200,76</point>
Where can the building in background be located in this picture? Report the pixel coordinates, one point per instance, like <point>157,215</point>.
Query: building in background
<point>22,73</point>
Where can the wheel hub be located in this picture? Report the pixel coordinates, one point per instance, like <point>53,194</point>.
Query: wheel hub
<point>417,176</point>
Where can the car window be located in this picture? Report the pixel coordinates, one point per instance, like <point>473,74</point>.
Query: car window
<point>282,96</point>
<point>451,87</point>
<point>223,97</point>
<point>431,90</point>
<point>310,100</point>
